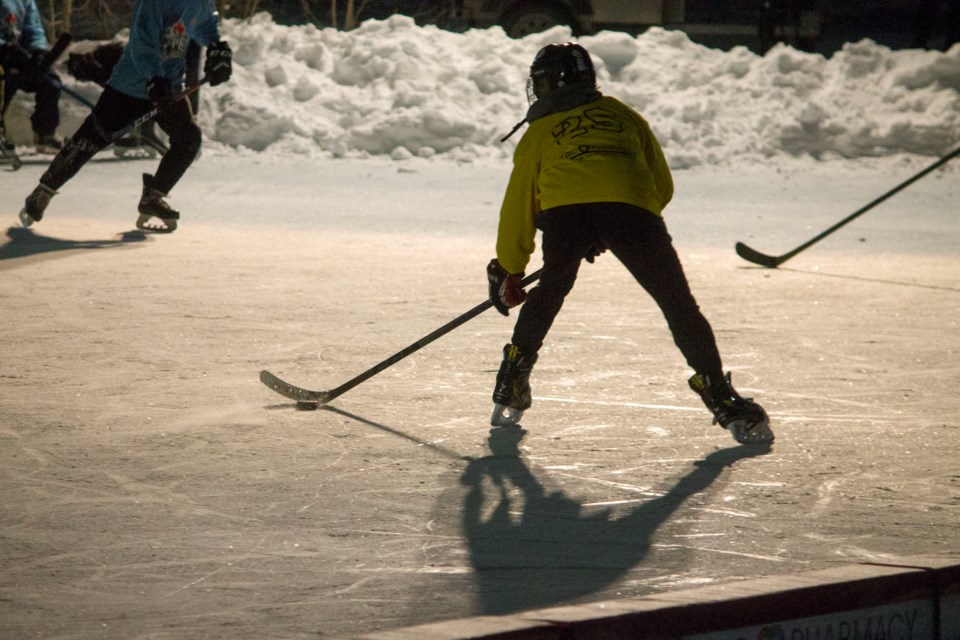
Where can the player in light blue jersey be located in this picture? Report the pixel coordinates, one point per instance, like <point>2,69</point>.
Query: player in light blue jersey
<point>149,74</point>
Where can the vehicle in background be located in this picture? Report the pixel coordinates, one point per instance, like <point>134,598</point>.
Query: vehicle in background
<point>754,23</point>
<point>821,26</point>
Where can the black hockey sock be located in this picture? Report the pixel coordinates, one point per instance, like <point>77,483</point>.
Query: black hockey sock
<point>84,144</point>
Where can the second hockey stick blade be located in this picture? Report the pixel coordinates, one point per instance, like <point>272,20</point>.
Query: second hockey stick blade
<point>754,256</point>
<point>764,260</point>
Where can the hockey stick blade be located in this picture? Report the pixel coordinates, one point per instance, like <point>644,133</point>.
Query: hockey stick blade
<point>293,392</point>
<point>754,256</point>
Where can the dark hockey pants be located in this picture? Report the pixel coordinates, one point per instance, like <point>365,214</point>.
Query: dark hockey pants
<point>639,239</point>
<point>46,114</point>
<point>113,112</point>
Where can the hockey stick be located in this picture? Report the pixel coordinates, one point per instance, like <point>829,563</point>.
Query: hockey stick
<point>187,91</point>
<point>310,399</point>
<point>764,260</point>
<point>153,143</point>
<point>49,59</point>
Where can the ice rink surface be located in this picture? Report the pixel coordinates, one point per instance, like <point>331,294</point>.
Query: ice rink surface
<point>153,488</point>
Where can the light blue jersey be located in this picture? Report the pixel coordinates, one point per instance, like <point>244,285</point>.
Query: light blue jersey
<point>159,35</point>
<point>22,22</point>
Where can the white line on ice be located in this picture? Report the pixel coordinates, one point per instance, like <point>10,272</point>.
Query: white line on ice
<point>604,403</point>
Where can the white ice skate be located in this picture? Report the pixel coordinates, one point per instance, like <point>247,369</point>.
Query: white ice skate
<point>505,416</point>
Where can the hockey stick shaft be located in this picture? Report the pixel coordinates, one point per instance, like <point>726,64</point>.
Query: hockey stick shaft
<point>762,259</point>
<point>419,344</point>
<point>155,144</point>
<point>323,397</point>
<point>57,50</point>
<point>50,58</point>
<point>153,112</point>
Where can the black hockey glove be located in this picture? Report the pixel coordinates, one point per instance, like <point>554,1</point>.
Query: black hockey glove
<point>36,64</point>
<point>219,64</point>
<point>160,91</point>
<point>8,33</point>
<point>506,290</point>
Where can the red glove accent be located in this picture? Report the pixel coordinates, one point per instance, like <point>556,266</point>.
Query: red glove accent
<point>506,290</point>
<point>511,291</point>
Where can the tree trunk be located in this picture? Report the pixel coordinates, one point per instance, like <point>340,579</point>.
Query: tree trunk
<point>66,21</point>
<point>349,18</point>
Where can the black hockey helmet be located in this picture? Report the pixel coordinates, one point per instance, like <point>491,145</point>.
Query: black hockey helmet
<point>559,65</point>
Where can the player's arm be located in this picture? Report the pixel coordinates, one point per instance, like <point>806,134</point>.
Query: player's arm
<point>33,37</point>
<point>657,162</point>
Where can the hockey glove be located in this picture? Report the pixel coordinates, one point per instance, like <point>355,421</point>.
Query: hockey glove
<point>219,64</point>
<point>594,251</point>
<point>160,91</point>
<point>35,68</point>
<point>506,290</point>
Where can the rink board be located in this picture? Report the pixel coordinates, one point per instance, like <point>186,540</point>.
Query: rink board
<point>914,599</point>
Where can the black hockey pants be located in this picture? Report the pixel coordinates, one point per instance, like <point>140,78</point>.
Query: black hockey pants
<point>639,239</point>
<point>46,114</point>
<point>114,111</point>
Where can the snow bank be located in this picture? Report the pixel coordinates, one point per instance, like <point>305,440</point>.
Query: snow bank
<point>394,88</point>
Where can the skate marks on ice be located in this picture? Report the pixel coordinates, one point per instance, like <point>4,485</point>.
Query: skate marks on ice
<point>532,546</point>
<point>26,246</point>
<point>532,541</point>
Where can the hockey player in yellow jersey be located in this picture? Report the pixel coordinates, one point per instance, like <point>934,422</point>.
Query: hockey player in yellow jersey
<point>590,175</point>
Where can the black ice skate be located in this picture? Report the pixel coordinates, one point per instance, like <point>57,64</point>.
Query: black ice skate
<point>153,205</point>
<point>745,419</point>
<point>511,394</point>
<point>36,204</point>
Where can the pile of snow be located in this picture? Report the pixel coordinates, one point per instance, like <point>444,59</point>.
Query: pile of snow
<point>394,88</point>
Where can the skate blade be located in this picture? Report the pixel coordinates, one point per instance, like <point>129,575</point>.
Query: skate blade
<point>143,222</point>
<point>25,219</point>
<point>751,433</point>
<point>504,416</point>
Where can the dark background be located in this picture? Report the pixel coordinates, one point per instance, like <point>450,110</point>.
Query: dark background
<point>898,24</point>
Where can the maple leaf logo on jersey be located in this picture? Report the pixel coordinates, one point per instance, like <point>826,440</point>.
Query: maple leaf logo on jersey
<point>175,40</point>
<point>8,29</point>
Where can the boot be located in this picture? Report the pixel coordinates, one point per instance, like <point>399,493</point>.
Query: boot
<point>745,419</point>
<point>511,393</point>
<point>153,205</point>
<point>47,143</point>
<point>35,204</point>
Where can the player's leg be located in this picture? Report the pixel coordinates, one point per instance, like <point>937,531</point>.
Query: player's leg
<point>179,124</point>
<point>640,240</point>
<point>112,112</point>
<point>567,232</point>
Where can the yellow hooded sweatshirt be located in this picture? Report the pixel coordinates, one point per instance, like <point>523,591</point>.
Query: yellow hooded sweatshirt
<point>602,151</point>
